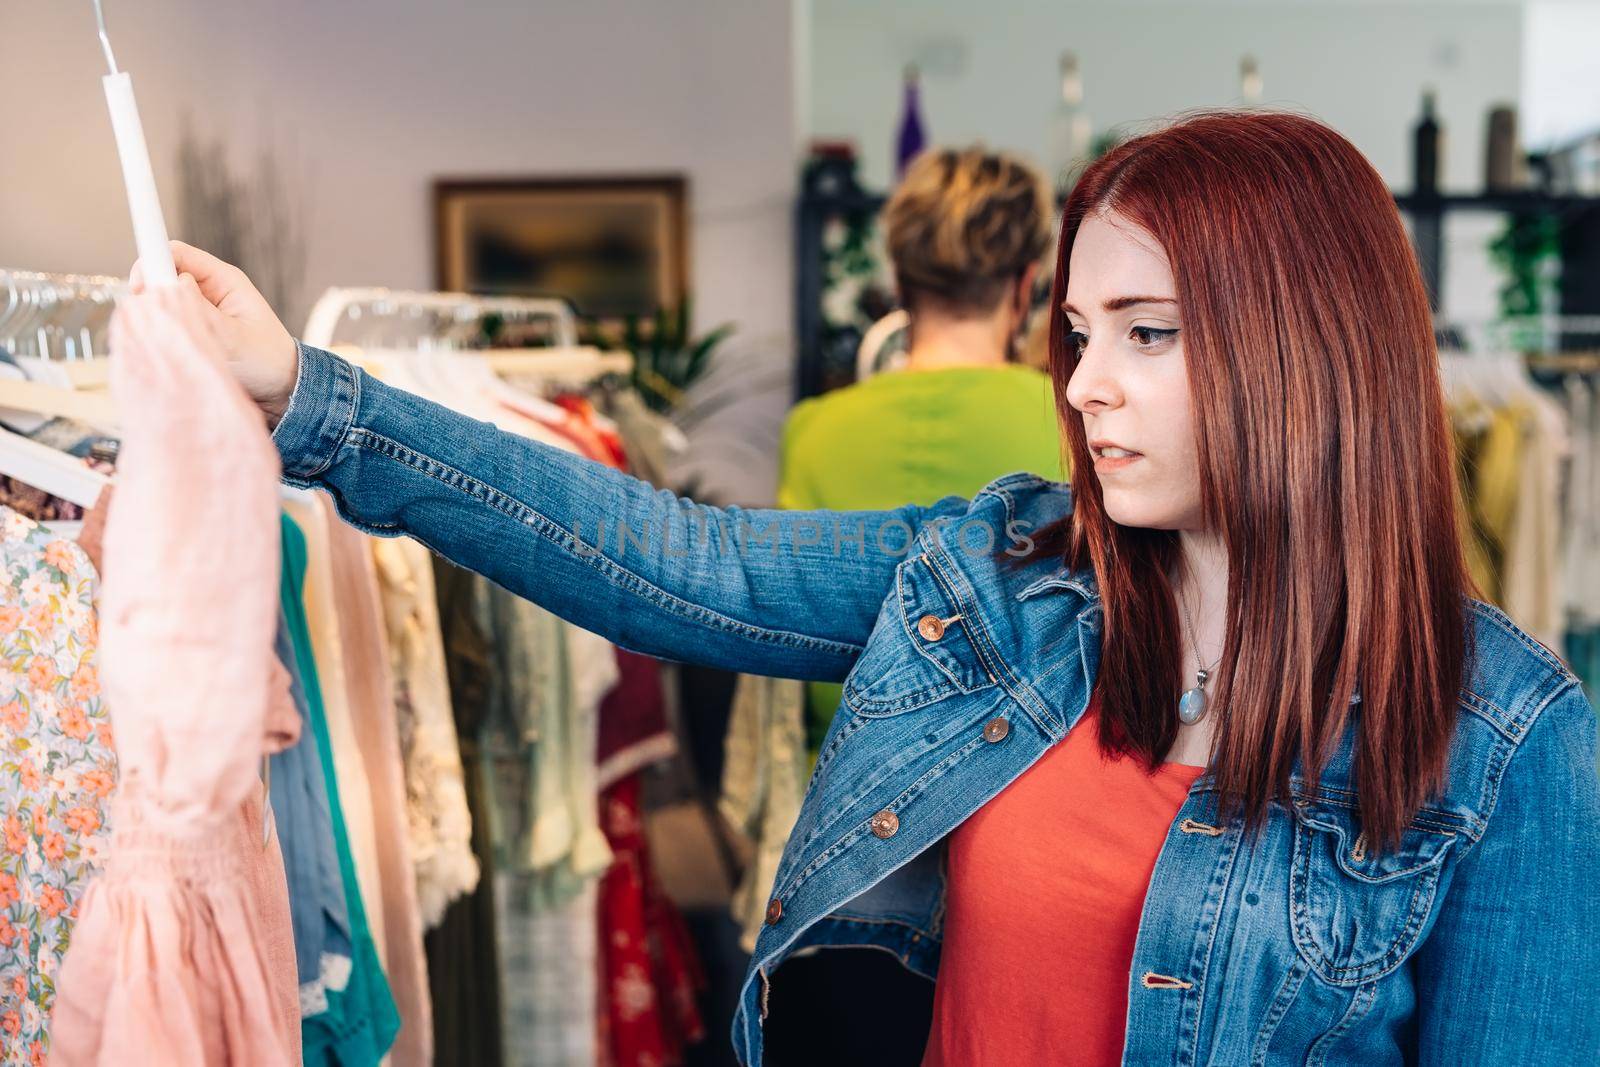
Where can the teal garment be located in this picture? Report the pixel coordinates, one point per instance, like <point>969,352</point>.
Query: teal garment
<point>361,1021</point>
<point>1583,655</point>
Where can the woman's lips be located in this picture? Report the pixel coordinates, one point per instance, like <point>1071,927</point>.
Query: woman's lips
<point>1109,457</point>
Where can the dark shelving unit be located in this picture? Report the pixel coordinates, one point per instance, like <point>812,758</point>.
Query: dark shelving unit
<point>1579,217</point>
<point>828,189</point>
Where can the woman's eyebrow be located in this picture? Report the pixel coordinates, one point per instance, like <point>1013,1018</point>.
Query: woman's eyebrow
<point>1119,303</point>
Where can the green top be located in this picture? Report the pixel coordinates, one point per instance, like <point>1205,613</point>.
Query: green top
<point>361,1020</point>
<point>913,437</point>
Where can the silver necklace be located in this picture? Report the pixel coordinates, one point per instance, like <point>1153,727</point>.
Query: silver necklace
<point>1192,705</point>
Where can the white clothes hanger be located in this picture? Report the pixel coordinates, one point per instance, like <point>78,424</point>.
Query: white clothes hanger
<point>44,468</point>
<point>48,323</point>
<point>94,408</point>
<point>424,337</point>
<point>887,332</point>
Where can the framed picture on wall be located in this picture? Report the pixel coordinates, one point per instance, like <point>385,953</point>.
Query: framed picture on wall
<point>614,246</point>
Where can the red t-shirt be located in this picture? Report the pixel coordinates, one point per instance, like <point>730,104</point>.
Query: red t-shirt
<point>1047,883</point>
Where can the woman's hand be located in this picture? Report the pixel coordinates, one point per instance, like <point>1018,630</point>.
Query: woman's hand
<point>259,351</point>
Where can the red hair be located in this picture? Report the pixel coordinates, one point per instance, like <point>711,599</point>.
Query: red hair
<point>1326,466</point>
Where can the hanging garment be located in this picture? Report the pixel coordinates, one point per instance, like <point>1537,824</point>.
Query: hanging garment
<point>359,1022</point>
<point>436,796</point>
<point>464,950</point>
<point>35,504</point>
<point>1534,582</point>
<point>651,976</point>
<point>550,973</point>
<point>603,441</point>
<point>315,518</point>
<point>1582,652</point>
<point>1583,506</point>
<point>1489,445</point>
<point>651,441</point>
<point>593,672</point>
<point>541,729</point>
<point>524,695</point>
<point>363,640</point>
<point>183,953</point>
<point>634,731</point>
<point>299,798</point>
<point>763,784</point>
<point>59,772</point>
<point>1582,550</point>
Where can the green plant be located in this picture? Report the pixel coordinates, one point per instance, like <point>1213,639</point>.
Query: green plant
<point>1528,252</point>
<point>666,359</point>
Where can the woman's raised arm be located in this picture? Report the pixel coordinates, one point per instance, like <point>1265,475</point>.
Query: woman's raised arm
<point>783,593</point>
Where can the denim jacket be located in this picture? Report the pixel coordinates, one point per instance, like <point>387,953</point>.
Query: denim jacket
<point>1475,942</point>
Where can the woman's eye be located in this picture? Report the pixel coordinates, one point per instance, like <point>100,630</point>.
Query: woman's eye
<point>1150,336</point>
<point>1075,342</point>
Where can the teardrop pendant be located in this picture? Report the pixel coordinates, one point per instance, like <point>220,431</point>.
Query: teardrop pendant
<point>1192,705</point>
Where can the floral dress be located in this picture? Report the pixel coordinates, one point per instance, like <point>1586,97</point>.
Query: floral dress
<point>57,770</point>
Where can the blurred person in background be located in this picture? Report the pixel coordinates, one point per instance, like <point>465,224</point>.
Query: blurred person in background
<point>966,230</point>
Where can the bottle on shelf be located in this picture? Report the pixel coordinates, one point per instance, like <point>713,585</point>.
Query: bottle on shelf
<point>1249,82</point>
<point>912,138</point>
<point>1504,167</point>
<point>1427,149</point>
<point>1071,132</point>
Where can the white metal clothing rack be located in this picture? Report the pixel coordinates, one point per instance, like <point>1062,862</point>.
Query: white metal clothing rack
<point>57,317</point>
<point>53,333</point>
<point>342,311</point>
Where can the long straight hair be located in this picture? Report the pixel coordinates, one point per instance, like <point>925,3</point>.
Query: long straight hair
<point>1327,466</point>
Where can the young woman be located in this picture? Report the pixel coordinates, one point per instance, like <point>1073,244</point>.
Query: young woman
<point>1209,757</point>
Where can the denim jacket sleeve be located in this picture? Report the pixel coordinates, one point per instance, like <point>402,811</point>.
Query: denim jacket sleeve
<point>1505,976</point>
<point>780,593</point>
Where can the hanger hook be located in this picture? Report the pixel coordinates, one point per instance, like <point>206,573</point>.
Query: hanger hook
<point>105,41</point>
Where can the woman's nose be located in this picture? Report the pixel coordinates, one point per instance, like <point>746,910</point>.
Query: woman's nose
<point>1092,387</point>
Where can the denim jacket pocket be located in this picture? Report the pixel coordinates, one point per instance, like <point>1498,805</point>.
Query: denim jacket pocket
<point>1357,913</point>
<point>919,652</point>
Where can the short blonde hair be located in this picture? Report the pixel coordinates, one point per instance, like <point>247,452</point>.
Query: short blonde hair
<point>963,225</point>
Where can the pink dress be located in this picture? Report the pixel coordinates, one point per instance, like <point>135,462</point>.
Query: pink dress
<point>182,954</point>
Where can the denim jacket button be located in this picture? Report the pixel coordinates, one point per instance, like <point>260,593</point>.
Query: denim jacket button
<point>774,911</point>
<point>885,824</point>
<point>996,730</point>
<point>931,627</point>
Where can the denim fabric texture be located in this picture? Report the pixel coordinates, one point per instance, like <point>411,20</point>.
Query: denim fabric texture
<point>1472,943</point>
<point>299,799</point>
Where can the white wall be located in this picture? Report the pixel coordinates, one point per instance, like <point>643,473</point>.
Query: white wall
<point>990,74</point>
<point>377,98</point>
<point>1561,71</point>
